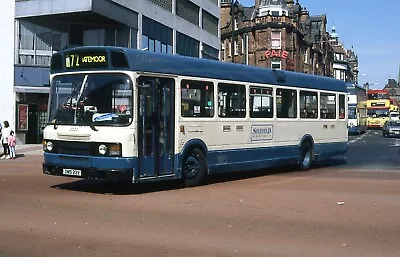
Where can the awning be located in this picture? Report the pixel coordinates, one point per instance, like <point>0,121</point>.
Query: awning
<point>37,90</point>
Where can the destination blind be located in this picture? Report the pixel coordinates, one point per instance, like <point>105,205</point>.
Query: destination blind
<point>83,60</point>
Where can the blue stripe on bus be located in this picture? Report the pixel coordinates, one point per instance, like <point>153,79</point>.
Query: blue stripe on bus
<point>263,157</point>
<point>251,158</point>
<point>145,61</point>
<point>97,162</point>
<point>218,161</point>
<point>77,161</point>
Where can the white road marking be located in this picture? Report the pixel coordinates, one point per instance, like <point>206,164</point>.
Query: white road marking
<point>397,142</point>
<point>359,138</point>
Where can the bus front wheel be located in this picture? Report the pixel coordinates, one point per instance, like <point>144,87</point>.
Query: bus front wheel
<point>305,160</point>
<point>194,168</point>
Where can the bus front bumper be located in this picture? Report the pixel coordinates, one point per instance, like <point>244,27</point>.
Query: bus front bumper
<point>90,167</point>
<point>116,175</point>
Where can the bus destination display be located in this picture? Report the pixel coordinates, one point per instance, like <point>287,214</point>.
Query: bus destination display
<point>86,60</point>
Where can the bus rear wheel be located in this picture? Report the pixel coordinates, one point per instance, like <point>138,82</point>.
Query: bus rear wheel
<point>194,168</point>
<point>305,160</point>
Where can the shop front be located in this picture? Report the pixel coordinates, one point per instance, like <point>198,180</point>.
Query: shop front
<point>31,103</point>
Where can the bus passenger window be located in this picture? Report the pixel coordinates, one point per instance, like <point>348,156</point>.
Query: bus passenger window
<point>197,99</point>
<point>286,103</point>
<point>342,107</point>
<point>328,106</point>
<point>308,105</point>
<point>231,101</point>
<point>261,102</point>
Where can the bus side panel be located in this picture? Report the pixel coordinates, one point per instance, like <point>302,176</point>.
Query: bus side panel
<point>252,158</point>
<point>328,150</point>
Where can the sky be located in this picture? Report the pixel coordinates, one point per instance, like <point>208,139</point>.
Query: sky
<point>371,27</point>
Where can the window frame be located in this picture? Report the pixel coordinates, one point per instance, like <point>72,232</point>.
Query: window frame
<point>243,98</point>
<point>276,62</point>
<point>321,94</point>
<point>310,93</point>
<point>197,82</point>
<point>295,104</point>
<point>342,115</point>
<point>273,39</point>
<point>251,103</point>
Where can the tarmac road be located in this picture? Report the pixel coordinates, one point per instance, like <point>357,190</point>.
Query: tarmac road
<point>336,209</point>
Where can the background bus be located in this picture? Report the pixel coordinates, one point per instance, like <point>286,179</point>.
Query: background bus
<point>357,102</point>
<point>131,115</point>
<point>378,105</point>
<point>394,105</point>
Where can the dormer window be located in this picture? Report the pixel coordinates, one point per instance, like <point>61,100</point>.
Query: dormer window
<point>272,7</point>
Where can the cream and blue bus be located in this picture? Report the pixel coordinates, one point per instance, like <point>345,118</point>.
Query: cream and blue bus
<point>122,114</point>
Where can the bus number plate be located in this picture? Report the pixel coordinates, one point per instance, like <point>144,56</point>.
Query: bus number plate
<point>72,172</point>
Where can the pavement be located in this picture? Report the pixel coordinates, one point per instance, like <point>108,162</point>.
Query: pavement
<point>26,150</point>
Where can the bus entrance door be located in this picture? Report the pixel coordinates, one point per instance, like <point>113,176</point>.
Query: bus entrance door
<point>155,127</point>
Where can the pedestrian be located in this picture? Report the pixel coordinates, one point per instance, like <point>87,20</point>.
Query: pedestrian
<point>12,141</point>
<point>1,135</point>
<point>4,139</point>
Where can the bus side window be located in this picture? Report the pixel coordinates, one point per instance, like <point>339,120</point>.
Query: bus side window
<point>342,107</point>
<point>197,99</point>
<point>286,103</point>
<point>261,102</point>
<point>231,101</point>
<point>328,106</point>
<point>308,105</point>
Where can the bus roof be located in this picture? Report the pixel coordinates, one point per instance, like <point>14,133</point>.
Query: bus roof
<point>145,61</point>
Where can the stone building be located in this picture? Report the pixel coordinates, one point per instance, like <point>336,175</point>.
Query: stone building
<point>277,34</point>
<point>345,64</point>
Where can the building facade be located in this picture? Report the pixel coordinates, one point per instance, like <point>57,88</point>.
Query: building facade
<point>345,64</point>
<point>184,27</point>
<point>7,96</point>
<point>278,34</point>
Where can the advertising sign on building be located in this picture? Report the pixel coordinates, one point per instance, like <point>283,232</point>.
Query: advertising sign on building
<point>22,117</point>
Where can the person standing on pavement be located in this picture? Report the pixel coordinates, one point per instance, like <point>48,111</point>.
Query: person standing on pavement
<point>4,139</point>
<point>12,141</point>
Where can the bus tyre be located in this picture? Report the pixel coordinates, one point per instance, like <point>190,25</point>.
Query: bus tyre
<point>305,160</point>
<point>194,168</point>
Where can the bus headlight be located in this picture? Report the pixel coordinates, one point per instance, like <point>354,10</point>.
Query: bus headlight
<point>102,149</point>
<point>48,146</point>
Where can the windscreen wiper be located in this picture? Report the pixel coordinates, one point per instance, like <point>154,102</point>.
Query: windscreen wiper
<point>91,125</point>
